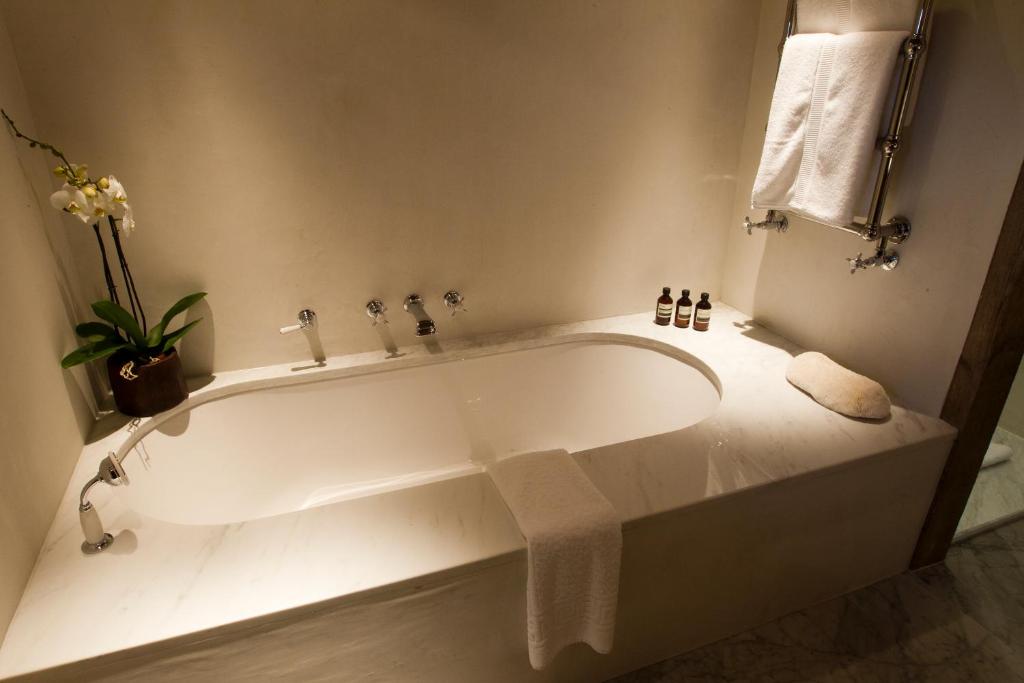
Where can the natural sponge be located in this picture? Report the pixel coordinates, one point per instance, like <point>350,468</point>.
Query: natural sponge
<point>838,388</point>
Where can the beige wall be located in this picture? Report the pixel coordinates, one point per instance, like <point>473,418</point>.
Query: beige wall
<point>907,327</point>
<point>555,161</point>
<point>43,413</point>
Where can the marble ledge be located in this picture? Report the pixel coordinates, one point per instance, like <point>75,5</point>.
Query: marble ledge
<point>162,581</point>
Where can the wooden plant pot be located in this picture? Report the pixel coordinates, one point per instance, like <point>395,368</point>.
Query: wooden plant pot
<point>145,387</point>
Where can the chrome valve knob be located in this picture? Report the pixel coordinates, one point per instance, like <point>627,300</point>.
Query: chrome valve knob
<point>454,302</point>
<point>376,309</point>
<point>887,261</point>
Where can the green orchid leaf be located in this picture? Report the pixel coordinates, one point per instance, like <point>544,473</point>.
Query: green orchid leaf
<point>157,333</point>
<point>171,339</point>
<point>118,317</point>
<point>94,331</point>
<point>88,352</point>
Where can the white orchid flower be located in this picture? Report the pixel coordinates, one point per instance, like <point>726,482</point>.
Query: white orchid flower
<point>91,203</point>
<point>127,219</point>
<point>100,205</point>
<point>114,191</point>
<point>72,200</point>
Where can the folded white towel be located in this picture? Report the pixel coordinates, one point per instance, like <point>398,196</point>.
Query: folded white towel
<point>823,126</point>
<point>852,16</point>
<point>574,548</point>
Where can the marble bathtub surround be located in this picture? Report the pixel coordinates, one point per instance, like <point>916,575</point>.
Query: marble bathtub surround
<point>838,388</point>
<point>735,477</point>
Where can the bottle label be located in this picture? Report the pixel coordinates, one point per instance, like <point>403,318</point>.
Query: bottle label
<point>683,312</point>
<point>664,310</point>
<point>703,315</point>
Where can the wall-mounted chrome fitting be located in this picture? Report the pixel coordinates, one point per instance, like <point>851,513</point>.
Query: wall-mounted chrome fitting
<point>424,324</point>
<point>895,230</point>
<point>96,539</point>
<point>773,220</point>
<point>376,309</point>
<point>454,302</point>
<point>886,261</point>
<point>306,321</point>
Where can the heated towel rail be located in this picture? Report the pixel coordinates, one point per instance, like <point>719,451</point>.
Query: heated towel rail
<point>897,229</point>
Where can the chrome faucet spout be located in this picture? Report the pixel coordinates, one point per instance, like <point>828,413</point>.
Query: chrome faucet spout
<point>424,324</point>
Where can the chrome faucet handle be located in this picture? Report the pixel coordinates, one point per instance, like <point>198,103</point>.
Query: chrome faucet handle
<point>857,263</point>
<point>376,309</point>
<point>773,220</point>
<point>455,302</point>
<point>307,320</point>
<point>888,261</point>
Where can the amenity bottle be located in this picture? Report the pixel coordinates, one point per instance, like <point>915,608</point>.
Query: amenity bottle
<point>684,309</point>
<point>702,313</point>
<point>663,313</point>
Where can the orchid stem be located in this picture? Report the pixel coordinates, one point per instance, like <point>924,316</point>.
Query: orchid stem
<point>107,275</point>
<point>126,274</point>
<point>38,143</point>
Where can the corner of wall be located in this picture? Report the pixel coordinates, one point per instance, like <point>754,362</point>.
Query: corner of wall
<point>45,413</point>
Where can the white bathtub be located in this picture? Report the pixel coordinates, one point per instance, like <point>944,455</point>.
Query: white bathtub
<point>243,453</point>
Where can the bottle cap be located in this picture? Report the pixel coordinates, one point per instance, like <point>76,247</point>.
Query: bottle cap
<point>666,290</point>
<point>704,295</point>
<point>686,292</point>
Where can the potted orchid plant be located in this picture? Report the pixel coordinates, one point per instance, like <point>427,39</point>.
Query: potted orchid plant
<point>143,366</point>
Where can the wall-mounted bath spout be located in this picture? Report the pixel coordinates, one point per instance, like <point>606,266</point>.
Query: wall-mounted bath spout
<point>376,309</point>
<point>424,324</point>
<point>96,539</point>
<point>454,301</point>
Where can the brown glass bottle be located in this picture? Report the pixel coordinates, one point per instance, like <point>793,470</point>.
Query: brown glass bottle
<point>684,309</point>
<point>663,313</point>
<point>702,313</point>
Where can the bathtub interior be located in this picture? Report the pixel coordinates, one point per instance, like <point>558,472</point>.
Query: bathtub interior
<point>275,450</point>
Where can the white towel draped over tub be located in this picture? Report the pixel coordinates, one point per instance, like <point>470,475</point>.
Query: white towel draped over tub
<point>574,549</point>
<point>824,124</point>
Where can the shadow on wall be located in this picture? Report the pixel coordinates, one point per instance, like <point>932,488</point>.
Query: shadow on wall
<point>751,330</point>
<point>953,180</point>
<point>197,348</point>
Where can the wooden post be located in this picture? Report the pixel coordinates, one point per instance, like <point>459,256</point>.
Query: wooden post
<point>981,383</point>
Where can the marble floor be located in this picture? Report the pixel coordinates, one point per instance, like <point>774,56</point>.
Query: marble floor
<point>998,493</point>
<point>959,621</point>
